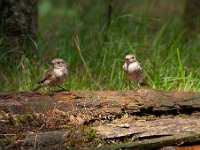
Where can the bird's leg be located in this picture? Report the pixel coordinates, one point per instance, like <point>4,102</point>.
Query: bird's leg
<point>49,89</point>
<point>138,85</point>
<point>62,88</point>
<point>129,84</point>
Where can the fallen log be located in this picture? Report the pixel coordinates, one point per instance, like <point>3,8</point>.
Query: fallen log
<point>100,104</point>
<point>47,113</point>
<point>160,127</point>
<point>154,143</point>
<point>159,132</point>
<point>46,138</point>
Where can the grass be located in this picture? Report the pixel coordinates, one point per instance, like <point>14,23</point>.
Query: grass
<point>95,61</point>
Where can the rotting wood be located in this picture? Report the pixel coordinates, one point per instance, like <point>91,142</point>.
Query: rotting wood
<point>154,143</point>
<point>160,127</point>
<point>46,138</point>
<point>101,104</point>
<point>170,127</point>
<point>156,128</point>
<point>50,111</point>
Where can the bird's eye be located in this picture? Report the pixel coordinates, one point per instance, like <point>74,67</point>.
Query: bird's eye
<point>132,57</point>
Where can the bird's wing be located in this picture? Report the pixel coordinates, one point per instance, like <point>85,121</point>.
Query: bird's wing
<point>144,79</point>
<point>125,67</point>
<point>47,76</point>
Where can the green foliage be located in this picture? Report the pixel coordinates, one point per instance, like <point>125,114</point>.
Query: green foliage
<point>169,62</point>
<point>23,119</point>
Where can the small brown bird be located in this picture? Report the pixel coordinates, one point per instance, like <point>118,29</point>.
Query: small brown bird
<point>55,76</point>
<point>133,70</point>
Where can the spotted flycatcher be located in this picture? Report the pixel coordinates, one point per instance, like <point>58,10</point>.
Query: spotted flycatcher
<point>55,76</point>
<point>133,70</point>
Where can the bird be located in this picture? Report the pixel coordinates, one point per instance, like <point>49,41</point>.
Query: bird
<point>55,76</point>
<point>133,71</point>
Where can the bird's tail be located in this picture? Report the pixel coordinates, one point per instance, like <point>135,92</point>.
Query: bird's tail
<point>37,88</point>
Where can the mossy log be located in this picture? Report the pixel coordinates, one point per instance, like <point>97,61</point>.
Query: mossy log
<point>160,133</point>
<point>175,117</point>
<point>100,104</point>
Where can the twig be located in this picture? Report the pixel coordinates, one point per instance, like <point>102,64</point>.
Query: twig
<point>35,143</point>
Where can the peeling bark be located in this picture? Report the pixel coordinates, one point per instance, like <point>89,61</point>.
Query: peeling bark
<point>154,143</point>
<point>160,127</point>
<point>46,138</point>
<point>101,104</point>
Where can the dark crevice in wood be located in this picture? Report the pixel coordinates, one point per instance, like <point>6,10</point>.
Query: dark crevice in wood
<point>187,110</point>
<point>136,137</point>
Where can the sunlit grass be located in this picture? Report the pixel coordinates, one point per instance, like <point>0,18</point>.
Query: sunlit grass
<point>168,62</point>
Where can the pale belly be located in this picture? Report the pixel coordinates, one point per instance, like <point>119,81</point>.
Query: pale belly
<point>134,72</point>
<point>57,78</point>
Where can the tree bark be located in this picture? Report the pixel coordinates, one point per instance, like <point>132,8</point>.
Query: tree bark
<point>192,18</point>
<point>18,23</point>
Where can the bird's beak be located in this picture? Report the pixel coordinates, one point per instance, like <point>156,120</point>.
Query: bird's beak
<point>134,60</point>
<point>126,59</point>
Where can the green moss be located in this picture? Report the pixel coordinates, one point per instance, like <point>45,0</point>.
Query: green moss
<point>5,142</point>
<point>91,135</point>
<point>65,127</point>
<point>23,119</point>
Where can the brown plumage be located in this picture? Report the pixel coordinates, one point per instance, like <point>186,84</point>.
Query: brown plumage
<point>133,70</point>
<point>55,76</point>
